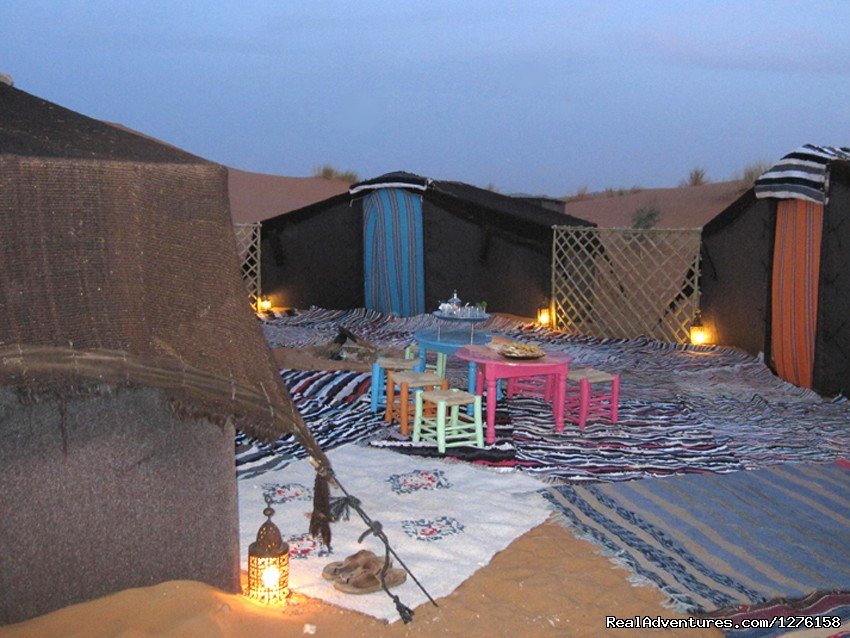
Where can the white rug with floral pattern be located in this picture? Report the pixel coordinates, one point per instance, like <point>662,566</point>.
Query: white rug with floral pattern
<point>445,520</point>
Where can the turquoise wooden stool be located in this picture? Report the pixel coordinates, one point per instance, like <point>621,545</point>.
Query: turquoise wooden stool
<point>450,427</point>
<point>379,368</point>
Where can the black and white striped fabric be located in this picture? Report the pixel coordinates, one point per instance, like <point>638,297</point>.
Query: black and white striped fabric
<point>333,407</point>
<point>802,174</point>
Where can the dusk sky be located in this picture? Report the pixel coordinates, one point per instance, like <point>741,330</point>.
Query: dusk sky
<point>533,97</point>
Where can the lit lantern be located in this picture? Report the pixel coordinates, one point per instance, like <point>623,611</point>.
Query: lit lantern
<point>543,316</point>
<point>699,333</point>
<point>264,304</point>
<point>268,563</point>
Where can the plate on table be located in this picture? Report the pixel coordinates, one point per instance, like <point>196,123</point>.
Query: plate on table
<point>520,351</point>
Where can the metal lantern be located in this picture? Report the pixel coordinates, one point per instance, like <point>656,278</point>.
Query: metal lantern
<point>699,333</point>
<point>268,563</point>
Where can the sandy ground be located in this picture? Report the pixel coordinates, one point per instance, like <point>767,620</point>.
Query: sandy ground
<point>546,583</point>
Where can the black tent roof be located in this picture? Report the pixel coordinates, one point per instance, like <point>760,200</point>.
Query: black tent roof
<point>516,207</point>
<point>452,194</point>
<point>33,127</point>
<point>396,179</point>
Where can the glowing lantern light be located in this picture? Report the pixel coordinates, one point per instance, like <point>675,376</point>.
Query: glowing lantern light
<point>543,316</point>
<point>268,563</point>
<point>264,304</point>
<point>699,333</point>
<point>271,577</point>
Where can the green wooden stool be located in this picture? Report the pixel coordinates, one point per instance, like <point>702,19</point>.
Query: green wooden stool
<point>450,427</point>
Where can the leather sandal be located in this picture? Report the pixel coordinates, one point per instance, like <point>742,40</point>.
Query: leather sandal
<point>368,566</point>
<point>367,582</point>
<point>346,568</point>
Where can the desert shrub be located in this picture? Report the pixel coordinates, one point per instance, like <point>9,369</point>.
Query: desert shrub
<point>646,217</point>
<point>330,172</point>
<point>751,172</point>
<point>697,177</point>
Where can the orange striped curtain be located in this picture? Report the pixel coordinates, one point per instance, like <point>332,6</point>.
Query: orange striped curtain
<point>796,264</point>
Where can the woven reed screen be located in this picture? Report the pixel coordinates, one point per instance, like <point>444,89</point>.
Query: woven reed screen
<point>248,244</point>
<point>624,282</point>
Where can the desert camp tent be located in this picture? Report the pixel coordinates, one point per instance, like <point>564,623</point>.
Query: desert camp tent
<point>401,243</point>
<point>776,269</point>
<point>128,355</point>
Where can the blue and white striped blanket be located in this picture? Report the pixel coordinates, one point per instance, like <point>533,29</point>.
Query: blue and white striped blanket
<point>712,541</point>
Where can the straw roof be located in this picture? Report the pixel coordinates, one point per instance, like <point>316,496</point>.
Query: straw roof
<point>118,264</point>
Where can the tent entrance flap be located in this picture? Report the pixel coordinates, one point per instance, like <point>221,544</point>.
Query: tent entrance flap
<point>394,278</point>
<point>796,265</point>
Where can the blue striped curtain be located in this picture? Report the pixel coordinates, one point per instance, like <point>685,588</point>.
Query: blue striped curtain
<point>392,248</point>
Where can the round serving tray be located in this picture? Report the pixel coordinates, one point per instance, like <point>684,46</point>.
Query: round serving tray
<point>522,356</point>
<point>442,315</point>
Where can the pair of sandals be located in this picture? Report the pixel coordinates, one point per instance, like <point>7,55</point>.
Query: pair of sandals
<point>360,573</point>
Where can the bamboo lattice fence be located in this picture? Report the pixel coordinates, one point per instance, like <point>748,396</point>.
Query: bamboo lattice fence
<point>625,282</point>
<point>248,243</point>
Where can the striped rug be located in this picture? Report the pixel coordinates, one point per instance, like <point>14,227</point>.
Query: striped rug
<point>713,541</point>
<point>819,615</point>
<point>684,409</point>
<point>332,406</point>
<point>650,440</point>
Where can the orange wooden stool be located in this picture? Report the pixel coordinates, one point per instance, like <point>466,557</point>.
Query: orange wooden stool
<point>407,381</point>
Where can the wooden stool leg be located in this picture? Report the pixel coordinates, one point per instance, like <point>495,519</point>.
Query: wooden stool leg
<point>417,418</point>
<point>377,386</point>
<point>454,420</point>
<point>388,415</point>
<point>441,364</point>
<point>583,402</point>
<point>404,404</point>
<point>471,373</point>
<point>441,427</point>
<point>479,425</point>
<point>615,398</point>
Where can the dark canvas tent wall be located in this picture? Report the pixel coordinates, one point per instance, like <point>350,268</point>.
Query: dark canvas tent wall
<point>743,270</point>
<point>128,354</point>
<point>488,246</point>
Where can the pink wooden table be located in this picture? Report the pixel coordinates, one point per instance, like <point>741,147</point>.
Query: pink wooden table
<point>492,366</point>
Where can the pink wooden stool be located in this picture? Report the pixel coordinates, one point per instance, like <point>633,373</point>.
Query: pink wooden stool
<point>585,402</point>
